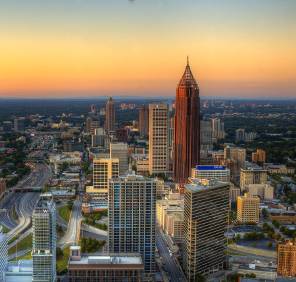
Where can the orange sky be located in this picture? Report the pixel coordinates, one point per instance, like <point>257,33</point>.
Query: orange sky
<point>134,56</point>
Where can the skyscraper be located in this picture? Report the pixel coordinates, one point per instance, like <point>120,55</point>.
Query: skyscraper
<point>110,115</point>
<point>206,206</point>
<point>132,219</point>
<point>286,255</point>
<point>143,120</point>
<point>44,240</point>
<point>103,170</point>
<point>158,139</point>
<point>187,127</point>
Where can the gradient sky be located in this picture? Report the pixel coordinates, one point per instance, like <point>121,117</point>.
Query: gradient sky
<point>118,47</point>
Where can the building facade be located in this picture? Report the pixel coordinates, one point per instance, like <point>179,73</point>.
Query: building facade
<point>248,209</point>
<point>211,172</point>
<point>286,255</point>
<point>143,120</point>
<point>110,115</point>
<point>158,139</point>
<point>187,127</point>
<point>206,207</point>
<point>44,240</point>
<point>103,170</point>
<point>132,201</point>
<point>252,175</point>
<point>120,151</point>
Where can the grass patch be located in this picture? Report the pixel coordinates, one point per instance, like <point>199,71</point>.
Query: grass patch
<point>62,261</point>
<point>24,244</point>
<point>5,229</point>
<point>65,212</point>
<point>91,219</point>
<point>90,245</point>
<point>13,239</point>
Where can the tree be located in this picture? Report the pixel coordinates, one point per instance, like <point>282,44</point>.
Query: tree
<point>200,278</point>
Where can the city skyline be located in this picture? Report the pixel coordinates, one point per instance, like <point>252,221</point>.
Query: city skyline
<point>96,48</point>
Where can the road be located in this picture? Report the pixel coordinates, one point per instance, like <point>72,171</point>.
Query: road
<point>170,263</point>
<point>22,204</point>
<point>73,229</point>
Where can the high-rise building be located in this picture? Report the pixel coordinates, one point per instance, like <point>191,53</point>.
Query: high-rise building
<point>206,206</point>
<point>103,170</point>
<point>143,120</point>
<point>206,138</point>
<point>110,115</point>
<point>2,187</point>
<point>286,255</point>
<point>248,209</point>
<point>120,151</point>
<point>252,174</point>
<point>44,240</point>
<point>218,129</point>
<point>187,127</point>
<point>259,156</point>
<point>88,124</point>
<point>99,138</point>
<point>3,254</point>
<point>211,172</point>
<point>132,219</point>
<point>158,139</point>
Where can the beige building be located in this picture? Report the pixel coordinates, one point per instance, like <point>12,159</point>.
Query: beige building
<point>158,139</point>
<point>286,254</point>
<point>252,175</point>
<point>264,191</point>
<point>142,165</point>
<point>103,170</point>
<point>259,156</point>
<point>248,209</point>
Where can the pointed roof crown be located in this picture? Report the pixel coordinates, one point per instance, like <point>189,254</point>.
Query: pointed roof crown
<point>188,79</point>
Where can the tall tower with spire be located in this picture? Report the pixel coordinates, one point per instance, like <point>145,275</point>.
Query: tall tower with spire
<point>187,127</point>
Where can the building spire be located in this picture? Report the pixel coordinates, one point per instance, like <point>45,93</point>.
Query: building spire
<point>187,61</point>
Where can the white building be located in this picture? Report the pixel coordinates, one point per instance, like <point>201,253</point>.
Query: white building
<point>264,191</point>
<point>211,172</point>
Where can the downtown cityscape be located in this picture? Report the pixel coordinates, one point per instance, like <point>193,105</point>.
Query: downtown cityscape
<point>140,175</point>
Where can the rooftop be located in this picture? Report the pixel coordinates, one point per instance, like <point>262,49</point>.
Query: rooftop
<point>198,185</point>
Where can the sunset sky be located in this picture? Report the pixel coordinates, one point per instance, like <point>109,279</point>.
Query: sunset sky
<point>55,48</point>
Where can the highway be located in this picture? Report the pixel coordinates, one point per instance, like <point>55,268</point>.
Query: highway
<point>72,234</point>
<point>170,263</point>
<point>22,204</point>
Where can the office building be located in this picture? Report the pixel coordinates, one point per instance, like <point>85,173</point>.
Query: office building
<point>132,221</point>
<point>211,172</point>
<point>206,207</point>
<point>110,115</point>
<point>234,193</point>
<point>218,129</point>
<point>2,187</point>
<point>143,120</point>
<point>206,138</point>
<point>99,138</point>
<point>44,240</point>
<point>259,156</point>
<point>248,209</point>
<point>252,174</point>
<point>286,259</point>
<point>158,139</point>
<point>120,151</point>
<point>187,127</point>
<point>3,254</point>
<point>103,170</point>
<point>264,191</point>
